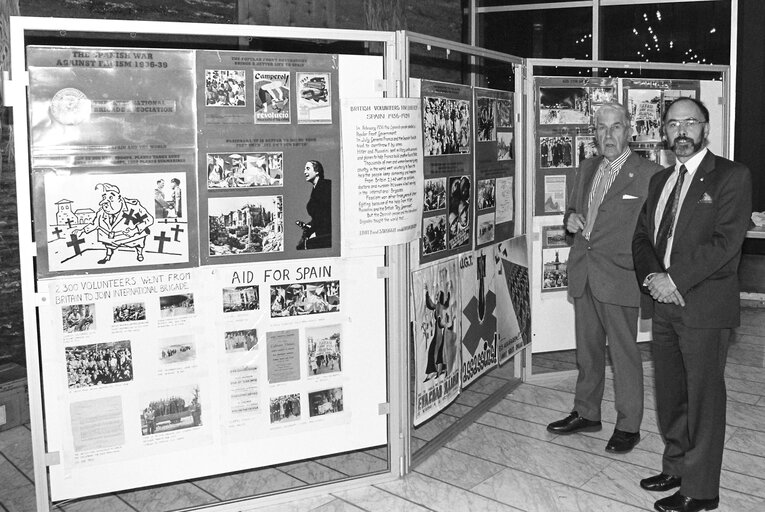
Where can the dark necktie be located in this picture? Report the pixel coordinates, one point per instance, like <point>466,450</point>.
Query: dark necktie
<point>670,214</point>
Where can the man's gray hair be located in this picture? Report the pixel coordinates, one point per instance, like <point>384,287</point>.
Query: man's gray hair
<point>616,106</point>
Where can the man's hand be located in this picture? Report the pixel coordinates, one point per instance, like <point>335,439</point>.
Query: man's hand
<point>575,222</point>
<point>662,289</point>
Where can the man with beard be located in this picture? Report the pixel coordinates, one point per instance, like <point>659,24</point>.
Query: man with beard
<point>687,247</point>
<point>121,222</point>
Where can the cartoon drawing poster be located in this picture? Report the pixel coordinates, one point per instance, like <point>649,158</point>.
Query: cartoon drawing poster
<point>109,222</point>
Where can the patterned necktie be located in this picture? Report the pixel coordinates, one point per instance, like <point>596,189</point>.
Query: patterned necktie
<point>670,214</point>
<point>595,199</point>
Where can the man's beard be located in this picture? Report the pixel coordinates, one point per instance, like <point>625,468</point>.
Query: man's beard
<point>683,149</point>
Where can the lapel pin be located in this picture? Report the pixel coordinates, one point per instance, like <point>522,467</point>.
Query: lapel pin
<point>631,175</point>
<point>701,179</point>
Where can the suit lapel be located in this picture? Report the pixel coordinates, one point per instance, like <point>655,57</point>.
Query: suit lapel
<point>695,191</point>
<point>624,178</point>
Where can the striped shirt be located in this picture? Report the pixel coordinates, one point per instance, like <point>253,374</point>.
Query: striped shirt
<point>606,171</point>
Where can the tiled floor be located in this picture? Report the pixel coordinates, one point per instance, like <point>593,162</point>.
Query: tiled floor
<point>506,460</point>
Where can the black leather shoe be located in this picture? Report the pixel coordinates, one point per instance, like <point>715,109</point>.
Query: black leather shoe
<point>573,423</point>
<point>679,503</point>
<point>622,442</point>
<point>661,482</point>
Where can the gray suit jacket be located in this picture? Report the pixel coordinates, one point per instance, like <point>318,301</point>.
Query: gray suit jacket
<point>605,261</point>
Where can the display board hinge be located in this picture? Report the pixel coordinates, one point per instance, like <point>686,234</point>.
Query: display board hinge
<point>14,91</point>
<point>383,408</point>
<point>383,272</point>
<point>52,458</point>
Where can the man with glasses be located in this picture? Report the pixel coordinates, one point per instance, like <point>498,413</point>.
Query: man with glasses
<point>687,247</point>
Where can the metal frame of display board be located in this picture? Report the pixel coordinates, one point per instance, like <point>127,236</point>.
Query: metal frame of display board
<point>556,302</point>
<point>522,359</point>
<point>395,272</point>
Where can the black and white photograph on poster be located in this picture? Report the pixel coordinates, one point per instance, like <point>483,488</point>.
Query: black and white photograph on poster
<point>602,95</point>
<point>314,98</point>
<point>245,225</point>
<point>486,194</point>
<point>485,119</point>
<point>316,232</point>
<point>243,340</point>
<point>177,349</point>
<point>78,318</point>
<point>459,211</point>
<point>485,228</point>
<point>285,408</point>
<point>171,306</point>
<point>130,312</point>
<point>168,410</point>
<point>555,152</point>
<point>99,364</point>
<point>644,106</point>
<point>299,299</point>
<point>434,234</point>
<point>97,424</point>
<point>245,170</point>
<point>555,193</point>
<point>225,88</point>
<point>505,146</point>
<point>96,221</point>
<point>586,147</point>
<point>446,126</point>
<point>272,96</point>
<point>555,269</point>
<point>435,194</point>
<point>504,113</point>
<point>513,298</point>
<point>328,401</point>
<point>654,151</point>
<point>324,355</point>
<point>564,105</point>
<point>553,236</point>
<point>241,298</point>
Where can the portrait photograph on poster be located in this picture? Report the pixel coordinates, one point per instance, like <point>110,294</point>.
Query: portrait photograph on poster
<point>486,127</point>
<point>459,211</point>
<point>323,349</point>
<point>225,88</point>
<point>78,317</point>
<point>272,96</point>
<point>644,106</point>
<point>553,236</point>
<point>130,312</point>
<point>555,193</point>
<point>96,221</point>
<point>586,147</point>
<point>327,401</point>
<point>245,170</point>
<point>433,234</point>
<point>486,194</point>
<point>299,299</point>
<point>505,146</point>
<point>241,341</point>
<point>485,228</point>
<point>99,364</point>
<point>555,269</point>
<point>564,105</point>
<point>504,113</point>
<point>314,98</point>
<point>241,298</point>
<point>435,194</point>
<point>555,152</point>
<point>168,410</point>
<point>245,225</point>
<point>316,231</point>
<point>176,305</point>
<point>177,349</point>
<point>446,126</point>
<point>285,408</point>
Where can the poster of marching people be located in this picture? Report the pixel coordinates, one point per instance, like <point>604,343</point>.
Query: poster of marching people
<point>448,195</point>
<point>435,303</point>
<point>494,167</point>
<point>323,348</point>
<point>478,314</point>
<point>511,269</point>
<point>284,143</point>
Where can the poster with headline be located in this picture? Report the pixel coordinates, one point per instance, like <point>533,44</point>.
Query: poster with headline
<point>513,299</point>
<point>269,154</point>
<point>435,303</point>
<point>382,155</point>
<point>479,314</point>
<point>448,193</point>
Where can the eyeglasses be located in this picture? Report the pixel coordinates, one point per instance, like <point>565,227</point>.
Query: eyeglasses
<point>675,124</point>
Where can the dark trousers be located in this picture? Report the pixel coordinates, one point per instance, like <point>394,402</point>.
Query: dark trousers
<point>689,366</point>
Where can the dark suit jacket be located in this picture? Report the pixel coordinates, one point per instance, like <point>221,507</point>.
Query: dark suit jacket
<point>319,207</point>
<point>706,247</point>
<point>605,261</point>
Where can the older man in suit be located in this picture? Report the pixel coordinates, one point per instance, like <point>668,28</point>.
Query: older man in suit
<point>687,247</point>
<point>608,193</point>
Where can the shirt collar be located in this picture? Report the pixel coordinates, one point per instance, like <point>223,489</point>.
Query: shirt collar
<point>693,163</point>
<point>617,162</point>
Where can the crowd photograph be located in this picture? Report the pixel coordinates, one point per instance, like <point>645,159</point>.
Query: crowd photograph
<point>99,364</point>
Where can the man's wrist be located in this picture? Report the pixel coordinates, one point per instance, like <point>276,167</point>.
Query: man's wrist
<point>649,278</point>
